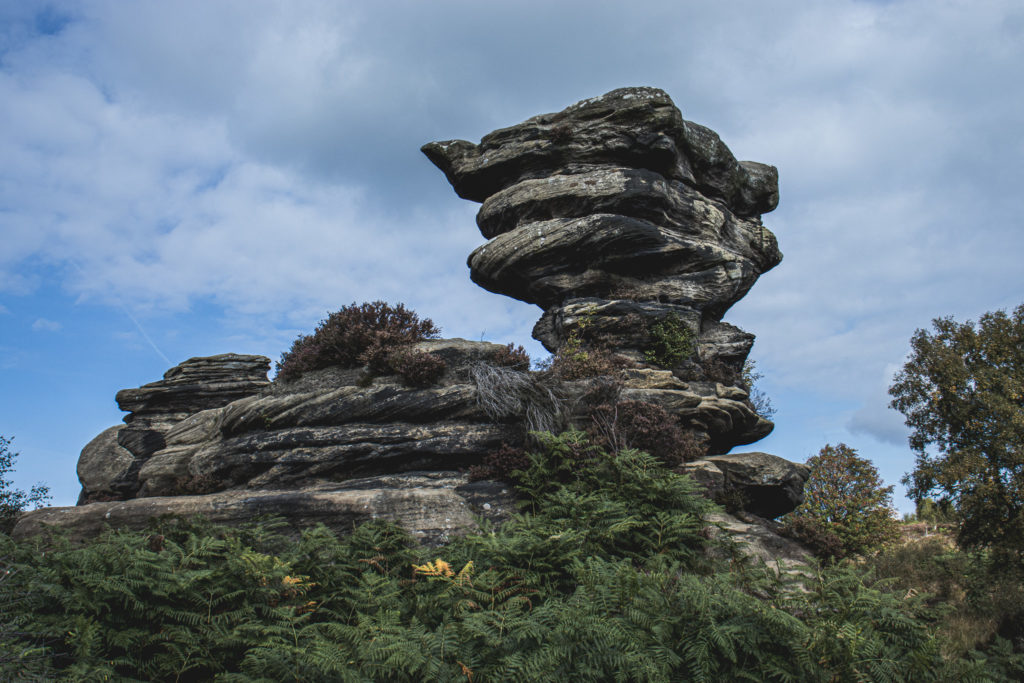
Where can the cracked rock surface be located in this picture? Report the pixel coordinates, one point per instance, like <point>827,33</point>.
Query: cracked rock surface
<point>614,215</point>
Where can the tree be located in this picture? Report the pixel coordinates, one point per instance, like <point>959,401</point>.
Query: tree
<point>962,393</point>
<point>846,510</point>
<point>13,501</point>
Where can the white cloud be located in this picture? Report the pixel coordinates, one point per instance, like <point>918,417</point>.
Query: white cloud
<point>3,310</point>
<point>44,325</point>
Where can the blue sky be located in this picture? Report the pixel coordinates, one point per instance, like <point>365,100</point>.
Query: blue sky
<point>193,178</point>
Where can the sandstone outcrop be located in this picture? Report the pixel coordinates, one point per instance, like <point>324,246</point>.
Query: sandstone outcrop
<point>615,216</point>
<point>760,483</point>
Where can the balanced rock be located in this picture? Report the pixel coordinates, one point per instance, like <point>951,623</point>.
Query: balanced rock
<point>615,215</point>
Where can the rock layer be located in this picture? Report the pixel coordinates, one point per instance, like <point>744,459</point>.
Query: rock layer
<point>614,215</point>
<point>431,506</point>
<point>196,384</point>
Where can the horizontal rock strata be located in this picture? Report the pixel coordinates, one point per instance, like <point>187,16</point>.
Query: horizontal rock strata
<point>615,215</point>
<point>431,506</point>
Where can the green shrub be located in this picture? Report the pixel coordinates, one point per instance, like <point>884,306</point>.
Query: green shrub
<point>356,335</point>
<point>671,342</point>
<point>13,501</point>
<point>603,577</point>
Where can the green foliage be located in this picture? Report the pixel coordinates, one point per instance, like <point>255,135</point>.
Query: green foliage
<point>846,510</point>
<point>962,393</point>
<point>761,402</point>
<point>602,577</point>
<point>671,342</point>
<point>927,510</point>
<point>356,335</point>
<point>13,501</point>
<point>975,600</point>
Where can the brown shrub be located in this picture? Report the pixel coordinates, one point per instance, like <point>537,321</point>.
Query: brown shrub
<point>500,464</point>
<point>510,356</point>
<point>718,371</point>
<point>416,368</point>
<point>574,363</point>
<point>642,426</point>
<point>359,334</point>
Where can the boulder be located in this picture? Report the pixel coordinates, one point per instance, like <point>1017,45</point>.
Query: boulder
<point>758,540</point>
<point>759,483</point>
<point>432,506</point>
<point>194,385</point>
<point>106,470</point>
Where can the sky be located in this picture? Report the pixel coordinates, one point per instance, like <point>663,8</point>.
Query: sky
<point>192,178</point>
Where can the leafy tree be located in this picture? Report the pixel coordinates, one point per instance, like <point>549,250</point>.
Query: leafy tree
<point>962,393</point>
<point>12,500</point>
<point>846,510</point>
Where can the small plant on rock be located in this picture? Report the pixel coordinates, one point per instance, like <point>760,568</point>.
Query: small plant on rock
<point>416,368</point>
<point>672,342</point>
<point>359,334</point>
<point>500,464</point>
<point>511,356</point>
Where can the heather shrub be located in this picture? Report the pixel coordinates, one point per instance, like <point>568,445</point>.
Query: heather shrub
<point>510,356</point>
<point>359,334</point>
<point>642,426</point>
<point>500,464</point>
<point>416,368</point>
<point>715,370</point>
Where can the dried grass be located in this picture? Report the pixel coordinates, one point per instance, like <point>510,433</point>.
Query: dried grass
<point>505,393</point>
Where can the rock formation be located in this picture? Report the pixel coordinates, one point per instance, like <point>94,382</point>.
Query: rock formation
<point>615,216</point>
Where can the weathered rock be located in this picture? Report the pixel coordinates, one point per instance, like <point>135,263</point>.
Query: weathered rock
<point>195,385</point>
<point>432,506</point>
<point>106,470</point>
<point>615,215</point>
<point>759,540</point>
<point>287,440</point>
<point>763,484</point>
<point>630,127</point>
